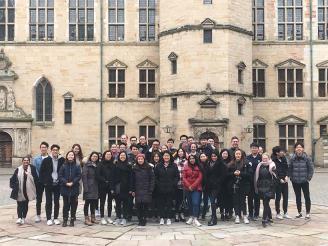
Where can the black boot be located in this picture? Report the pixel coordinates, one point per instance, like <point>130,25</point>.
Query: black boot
<point>264,223</point>
<point>213,221</point>
<point>144,221</point>
<point>71,223</point>
<point>64,222</point>
<point>182,217</point>
<point>222,217</point>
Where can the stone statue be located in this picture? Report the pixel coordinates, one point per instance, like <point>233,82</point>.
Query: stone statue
<point>2,99</point>
<point>10,100</point>
<point>22,141</point>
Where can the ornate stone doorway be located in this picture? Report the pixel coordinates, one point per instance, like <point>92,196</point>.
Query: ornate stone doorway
<point>209,134</point>
<point>6,150</point>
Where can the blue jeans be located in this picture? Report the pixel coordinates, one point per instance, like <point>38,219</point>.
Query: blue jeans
<point>194,199</point>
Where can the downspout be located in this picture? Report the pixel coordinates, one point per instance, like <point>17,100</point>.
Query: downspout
<point>311,78</point>
<point>101,75</point>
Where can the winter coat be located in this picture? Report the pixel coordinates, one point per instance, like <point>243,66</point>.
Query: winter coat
<point>192,177</point>
<point>243,182</point>
<point>107,176</point>
<point>37,161</point>
<point>254,161</point>
<point>143,183</point>
<point>46,170</point>
<point>215,176</point>
<point>69,172</point>
<point>281,167</point>
<point>143,148</point>
<point>90,182</point>
<point>166,178</point>
<point>265,183</point>
<point>300,169</point>
<point>124,179</point>
<point>207,150</point>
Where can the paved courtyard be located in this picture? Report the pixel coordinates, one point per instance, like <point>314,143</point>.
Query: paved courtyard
<point>287,232</point>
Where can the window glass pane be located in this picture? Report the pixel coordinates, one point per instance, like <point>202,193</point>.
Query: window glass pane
<point>281,32</point>
<point>207,36</point>
<point>72,3</point>
<point>32,32</point>
<point>300,131</point>
<point>42,16</point>
<point>121,75</point>
<point>321,31</point>
<point>143,32</point>
<point>90,15</point>
<point>260,3</point>
<point>81,32</point>
<point>290,89</point>
<point>142,90</point>
<point>89,32</point>
<point>90,3</point>
<point>298,2</point>
<point>68,118</point>
<point>68,104</point>
<point>2,32</point>
<point>282,144</point>
<point>151,75</point>
<point>112,33</point>
<point>81,3</point>
<point>151,32</point>
<point>32,3</point>
<point>11,32</point>
<point>32,16</point>
<point>143,16</point>
<point>261,131</point>
<point>50,16</point>
<point>323,130</point>
<point>321,2</point>
<point>81,16</point>
<point>151,90</point>
<point>112,90</point>
<point>72,32</point>
<point>281,15</point>
<point>112,131</point>
<point>290,32</point>
<point>11,15</point>
<point>120,131</point>
<point>42,32</point>
<point>321,14</point>
<point>112,16</point>
<point>112,75</point>
<point>121,90</point>
<point>142,75</point>
<point>322,74</point>
<point>291,131</point>
<point>255,131</point>
<point>282,131</point>
<point>120,32</point>
<point>299,31</point>
<point>260,32</point>
<point>39,102</point>
<point>260,76</point>
<point>322,89</point>
<point>289,2</point>
<point>50,3</point>
<point>50,32</point>
<point>281,75</point>
<point>151,131</point>
<point>281,90</point>
<point>72,15</point>
<point>142,3</point>
<point>48,102</point>
<point>120,4</point>
<point>112,3</point>
<point>142,130</point>
<point>42,3</point>
<point>120,16</point>
<point>290,74</point>
<point>299,89</point>
<point>281,2</point>
<point>151,16</point>
<point>261,90</point>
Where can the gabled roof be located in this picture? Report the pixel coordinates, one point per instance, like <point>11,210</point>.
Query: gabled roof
<point>241,100</point>
<point>68,95</point>
<point>290,63</point>
<point>323,64</point>
<point>291,119</point>
<point>259,120</point>
<point>173,56</point>
<point>147,121</point>
<point>208,22</point>
<point>208,103</point>
<point>147,64</point>
<point>117,64</point>
<point>259,64</point>
<point>116,121</point>
<point>323,120</point>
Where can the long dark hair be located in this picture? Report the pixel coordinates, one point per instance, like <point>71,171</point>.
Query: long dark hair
<point>228,160</point>
<point>119,160</point>
<point>153,155</point>
<point>104,154</point>
<point>240,164</point>
<point>80,154</point>
<point>184,153</point>
<point>196,161</point>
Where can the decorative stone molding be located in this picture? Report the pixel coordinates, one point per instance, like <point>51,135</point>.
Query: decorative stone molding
<point>6,74</point>
<point>291,119</point>
<point>259,64</point>
<point>147,121</point>
<point>241,66</point>
<point>208,23</point>
<point>116,64</point>
<point>68,95</point>
<point>290,63</point>
<point>323,64</point>
<point>206,92</point>
<point>116,121</point>
<point>147,64</point>
<point>208,103</point>
<point>259,120</point>
<point>173,56</point>
<point>241,100</point>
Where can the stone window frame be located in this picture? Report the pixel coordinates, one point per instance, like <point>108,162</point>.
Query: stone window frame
<point>323,126</point>
<point>41,21</point>
<point>258,137</point>
<point>7,26</point>
<point>257,7</point>
<point>117,126</point>
<point>119,10</point>
<point>174,103</point>
<point>241,66</point>
<point>257,84</point>
<point>68,105</point>
<point>75,11</point>
<point>173,58</point>
<point>290,130</point>
<point>146,35</point>
<point>145,125</point>
<point>322,19</point>
<point>290,77</point>
<point>118,67</point>
<point>284,24</point>
<point>322,82</point>
<point>147,67</point>
<point>44,82</point>
<point>241,101</point>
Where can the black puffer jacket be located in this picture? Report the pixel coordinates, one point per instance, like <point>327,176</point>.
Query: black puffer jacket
<point>90,182</point>
<point>281,167</point>
<point>166,178</point>
<point>143,182</point>
<point>107,176</point>
<point>244,181</point>
<point>300,169</point>
<point>124,178</point>
<point>216,175</point>
<point>265,183</point>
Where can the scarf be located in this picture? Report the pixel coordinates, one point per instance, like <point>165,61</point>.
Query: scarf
<point>30,186</point>
<point>271,165</point>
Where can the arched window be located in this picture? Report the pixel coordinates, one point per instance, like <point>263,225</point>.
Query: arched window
<point>43,101</point>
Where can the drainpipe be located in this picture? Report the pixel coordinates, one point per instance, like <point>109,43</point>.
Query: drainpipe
<point>101,75</point>
<point>311,77</point>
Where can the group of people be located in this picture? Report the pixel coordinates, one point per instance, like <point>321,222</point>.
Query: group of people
<point>163,181</point>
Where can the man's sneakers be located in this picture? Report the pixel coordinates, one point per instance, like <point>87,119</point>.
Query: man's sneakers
<point>50,223</point>
<point>161,222</point>
<point>19,221</point>
<point>196,223</point>
<point>110,221</point>
<point>279,217</point>
<point>286,216</point>
<point>307,216</point>
<point>56,222</point>
<point>37,219</point>
<point>123,222</point>
<point>298,216</point>
<point>103,221</point>
<point>246,221</point>
<point>168,222</point>
<point>189,221</point>
<point>237,220</point>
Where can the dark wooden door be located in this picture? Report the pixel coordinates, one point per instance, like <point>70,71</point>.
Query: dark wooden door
<point>6,149</point>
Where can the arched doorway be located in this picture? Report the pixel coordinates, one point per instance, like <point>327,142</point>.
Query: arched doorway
<point>6,150</point>
<point>209,134</point>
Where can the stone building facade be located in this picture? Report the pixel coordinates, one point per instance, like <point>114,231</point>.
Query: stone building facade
<point>86,71</point>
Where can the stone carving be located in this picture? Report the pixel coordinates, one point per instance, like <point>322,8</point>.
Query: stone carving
<point>10,100</point>
<point>3,99</point>
<point>22,142</point>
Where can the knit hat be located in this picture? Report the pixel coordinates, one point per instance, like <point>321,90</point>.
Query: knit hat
<point>140,155</point>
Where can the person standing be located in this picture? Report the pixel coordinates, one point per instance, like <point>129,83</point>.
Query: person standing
<point>90,188</point>
<point>23,188</point>
<point>234,145</point>
<point>49,178</point>
<point>69,177</point>
<point>143,182</point>
<point>204,167</point>
<point>226,191</point>
<point>37,161</point>
<point>166,178</point>
<point>264,182</point>
<point>192,183</point>
<point>301,172</point>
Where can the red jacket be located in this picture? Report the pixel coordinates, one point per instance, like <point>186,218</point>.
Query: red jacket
<point>192,176</point>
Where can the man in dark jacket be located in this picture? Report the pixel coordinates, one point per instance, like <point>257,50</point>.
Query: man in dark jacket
<point>253,199</point>
<point>300,172</point>
<point>278,157</point>
<point>50,179</point>
<point>205,147</point>
<point>142,145</point>
<point>234,146</point>
<point>154,148</point>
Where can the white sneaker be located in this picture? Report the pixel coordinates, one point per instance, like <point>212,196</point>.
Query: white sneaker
<point>37,219</point>
<point>161,222</point>
<point>19,221</point>
<point>56,222</point>
<point>246,221</point>
<point>168,222</point>
<point>237,220</point>
<point>117,222</point>
<point>23,221</point>
<point>50,223</point>
<point>190,220</point>
<point>110,221</point>
<point>196,222</point>
<point>103,221</point>
<point>123,222</point>
<point>307,216</point>
<point>286,216</point>
<point>97,213</point>
<point>279,217</point>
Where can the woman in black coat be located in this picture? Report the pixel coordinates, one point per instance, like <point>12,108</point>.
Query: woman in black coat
<point>204,167</point>
<point>107,175</point>
<point>240,173</point>
<point>214,179</point>
<point>90,187</point>
<point>69,177</point>
<point>143,182</point>
<point>226,191</point>
<point>166,179</point>
<point>123,188</point>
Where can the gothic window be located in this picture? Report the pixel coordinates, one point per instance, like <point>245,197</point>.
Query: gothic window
<point>43,101</point>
